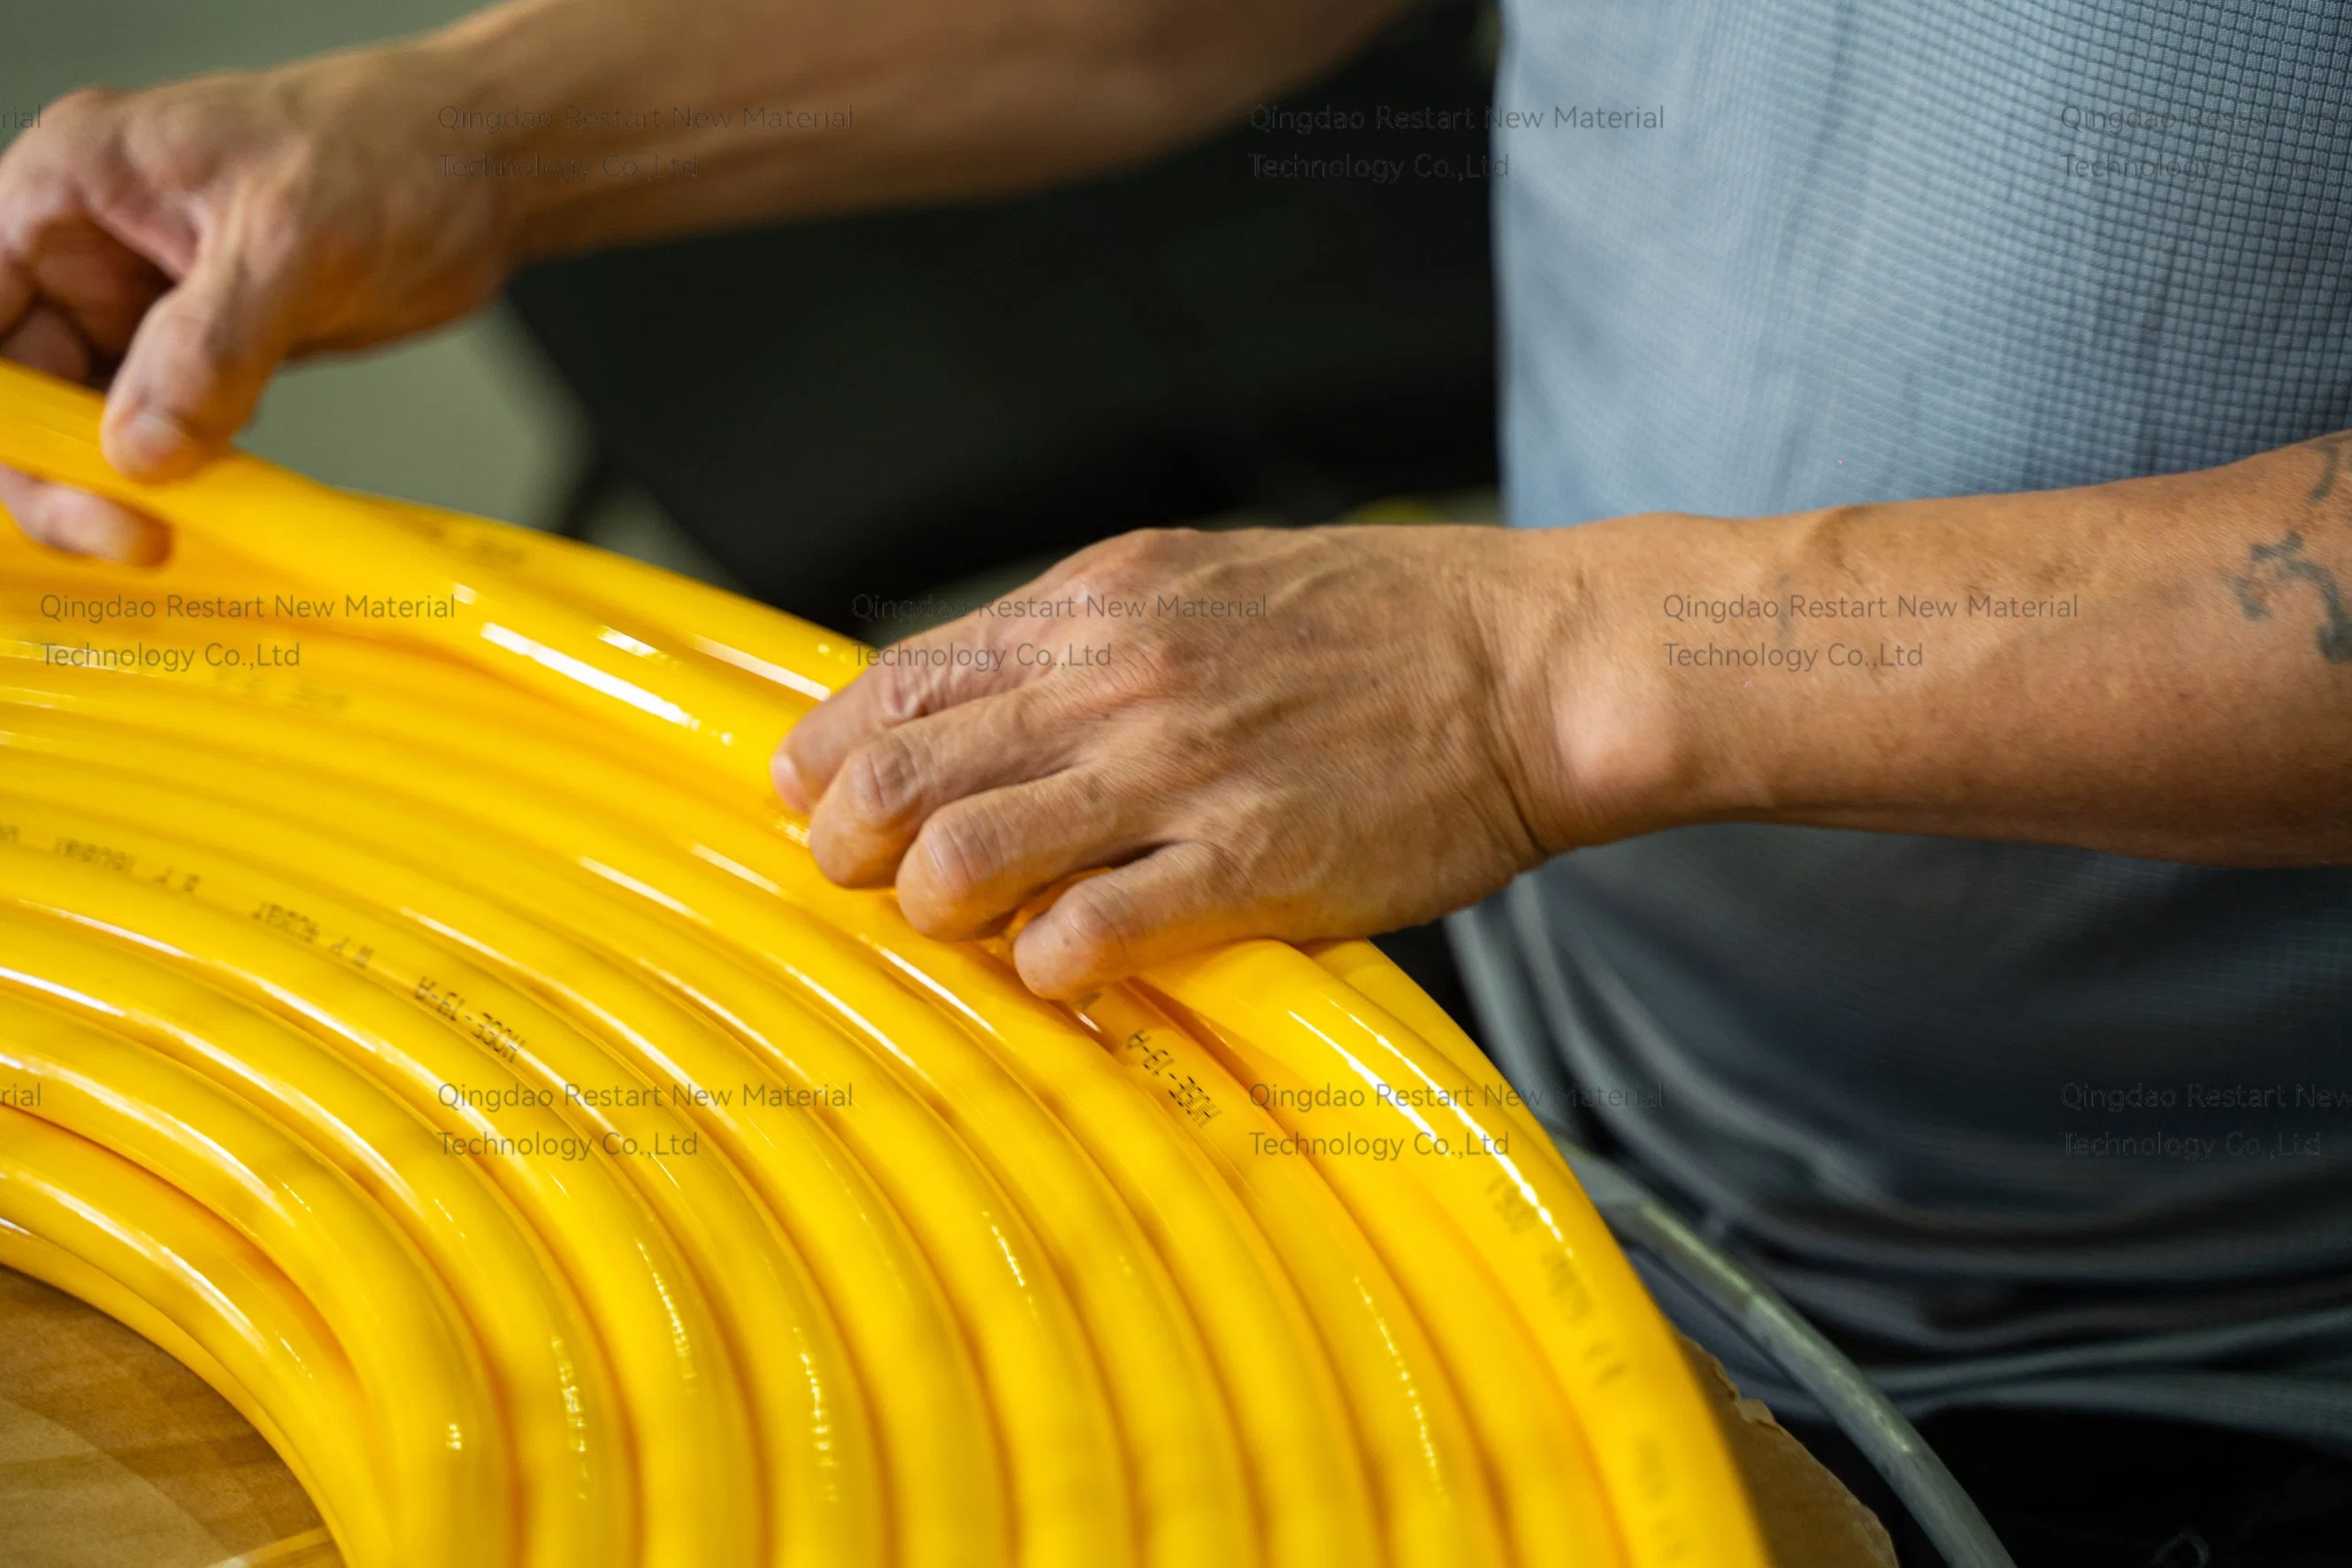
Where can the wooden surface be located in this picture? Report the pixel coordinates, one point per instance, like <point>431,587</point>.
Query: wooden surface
<point>114,1456</point>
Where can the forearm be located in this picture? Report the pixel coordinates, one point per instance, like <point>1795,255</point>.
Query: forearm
<point>2161,667</point>
<point>814,105</point>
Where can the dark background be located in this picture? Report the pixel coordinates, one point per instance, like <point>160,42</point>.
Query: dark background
<point>890,402</point>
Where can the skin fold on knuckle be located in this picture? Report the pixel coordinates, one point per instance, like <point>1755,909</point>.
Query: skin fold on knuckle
<point>1090,934</point>
<point>1123,566</point>
<point>70,122</point>
<point>902,691</point>
<point>867,813</point>
<point>950,874</point>
<point>43,178</point>
<point>882,784</point>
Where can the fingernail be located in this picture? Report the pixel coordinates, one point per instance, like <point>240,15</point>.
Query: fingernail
<point>787,779</point>
<point>151,445</point>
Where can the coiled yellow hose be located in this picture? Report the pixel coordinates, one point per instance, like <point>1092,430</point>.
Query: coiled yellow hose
<point>418,1016</point>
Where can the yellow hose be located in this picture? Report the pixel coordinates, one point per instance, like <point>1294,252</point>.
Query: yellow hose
<point>125,1231</point>
<point>417,1016</point>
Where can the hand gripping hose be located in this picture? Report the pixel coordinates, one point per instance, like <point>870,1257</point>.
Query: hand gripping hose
<point>419,1018</point>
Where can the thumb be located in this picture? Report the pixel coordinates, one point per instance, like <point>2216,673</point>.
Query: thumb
<point>198,364</point>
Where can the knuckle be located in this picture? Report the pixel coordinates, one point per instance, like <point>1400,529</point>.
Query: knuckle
<point>1116,564</point>
<point>176,138</point>
<point>1149,547</point>
<point>902,694</point>
<point>882,781</point>
<point>963,850</point>
<point>1099,922</point>
<point>50,177</point>
<point>81,101</point>
<point>77,109</point>
<point>1155,669</point>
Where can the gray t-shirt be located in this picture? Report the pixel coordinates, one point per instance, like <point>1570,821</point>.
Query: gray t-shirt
<point>2020,1123</point>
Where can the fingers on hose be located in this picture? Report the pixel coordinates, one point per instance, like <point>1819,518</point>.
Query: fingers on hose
<point>881,796</point>
<point>923,675</point>
<point>978,859</point>
<point>76,520</point>
<point>43,338</point>
<point>199,360</point>
<point>1174,901</point>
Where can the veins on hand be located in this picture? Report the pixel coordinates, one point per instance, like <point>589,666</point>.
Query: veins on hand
<point>2273,568</point>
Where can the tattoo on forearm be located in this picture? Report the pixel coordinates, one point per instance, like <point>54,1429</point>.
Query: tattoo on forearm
<point>2330,448</point>
<point>2272,567</point>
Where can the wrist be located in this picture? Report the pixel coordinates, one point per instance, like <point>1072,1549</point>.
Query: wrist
<point>498,100</point>
<point>1612,738</point>
<point>594,143</point>
<point>464,105</point>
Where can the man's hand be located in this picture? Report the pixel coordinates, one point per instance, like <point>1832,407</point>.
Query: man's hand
<point>1384,724</point>
<point>1266,732</point>
<point>176,244</point>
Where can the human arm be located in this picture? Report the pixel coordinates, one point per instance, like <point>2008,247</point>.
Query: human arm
<point>2158,667</point>
<point>1419,714</point>
<point>178,243</point>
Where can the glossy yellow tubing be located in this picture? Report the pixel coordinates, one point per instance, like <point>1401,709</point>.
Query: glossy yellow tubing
<point>697,1489</point>
<point>874,1259</point>
<point>1547,1247</point>
<point>27,1254</point>
<point>415,1371</point>
<point>1259,1362</point>
<point>272,1354</point>
<point>543,1352</point>
<point>774,1333</point>
<point>1060,1433</point>
<point>794,1164</point>
<point>1248,1348</point>
<point>1422,1461</point>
